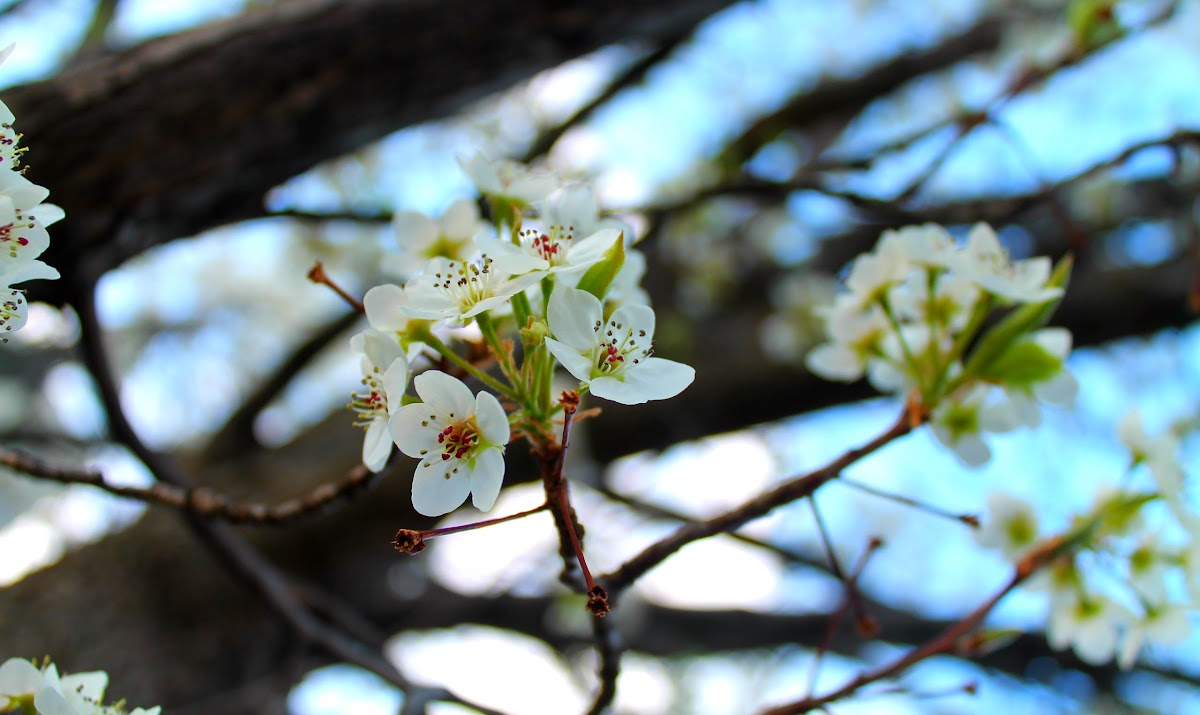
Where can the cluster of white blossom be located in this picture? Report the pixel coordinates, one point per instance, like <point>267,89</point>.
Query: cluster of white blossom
<point>30,689</point>
<point>23,222</point>
<point>547,267</point>
<point>1126,578</point>
<point>914,319</point>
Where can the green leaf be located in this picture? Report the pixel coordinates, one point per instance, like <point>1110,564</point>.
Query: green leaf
<point>600,276</point>
<point>1022,364</point>
<point>1093,22</point>
<point>1020,322</point>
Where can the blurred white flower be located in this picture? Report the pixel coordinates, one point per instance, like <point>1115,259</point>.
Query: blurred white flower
<point>421,238</point>
<point>1010,525</point>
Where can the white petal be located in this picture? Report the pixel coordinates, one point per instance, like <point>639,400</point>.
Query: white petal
<point>578,365</point>
<point>486,478</point>
<point>575,205</point>
<point>19,677</point>
<point>377,445</point>
<point>1056,341</point>
<point>49,701</point>
<point>508,258</point>
<point>652,379</point>
<point>395,381</point>
<point>24,193</point>
<point>382,304</point>
<point>1059,390</point>
<point>48,214</point>
<point>573,315</point>
<point>491,419</point>
<point>591,249</point>
<point>90,685</point>
<point>414,431</point>
<point>461,219</point>
<point>381,348</point>
<point>635,317</point>
<point>414,230</point>
<point>834,361</point>
<point>434,493</point>
<point>27,271</point>
<point>448,396</point>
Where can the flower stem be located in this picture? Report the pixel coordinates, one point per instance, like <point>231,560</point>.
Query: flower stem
<point>445,351</point>
<point>317,274</point>
<point>429,534</point>
<point>503,356</point>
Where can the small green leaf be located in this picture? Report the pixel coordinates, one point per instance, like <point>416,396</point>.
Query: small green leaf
<point>1093,22</point>
<point>1022,364</point>
<point>1020,322</point>
<point>600,276</point>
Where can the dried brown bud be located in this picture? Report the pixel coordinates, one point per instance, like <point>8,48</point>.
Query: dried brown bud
<point>597,603</point>
<point>409,542</point>
<point>867,625</point>
<point>317,274</point>
<point>569,400</point>
<point>970,520</point>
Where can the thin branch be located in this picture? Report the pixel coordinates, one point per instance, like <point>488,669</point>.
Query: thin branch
<point>201,501</point>
<point>945,642</point>
<point>789,491</point>
<point>608,650</point>
<point>655,510</point>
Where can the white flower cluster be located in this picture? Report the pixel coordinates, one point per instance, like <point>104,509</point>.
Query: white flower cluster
<point>1126,579</point>
<point>42,690</point>
<point>910,321</point>
<point>23,222</point>
<point>548,266</point>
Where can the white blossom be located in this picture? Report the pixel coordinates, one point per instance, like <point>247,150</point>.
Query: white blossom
<point>52,694</point>
<point>460,441</point>
<point>1010,525</point>
<point>1166,623</point>
<point>551,251</point>
<point>612,357</point>
<point>986,262</point>
<point>385,377</point>
<point>457,291</point>
<point>1087,622</point>
<point>960,420</point>
<point>421,238</point>
<point>508,179</point>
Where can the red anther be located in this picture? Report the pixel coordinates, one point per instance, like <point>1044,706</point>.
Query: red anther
<point>445,456</point>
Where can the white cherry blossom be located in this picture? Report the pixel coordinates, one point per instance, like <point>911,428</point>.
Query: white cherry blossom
<point>383,305</point>
<point>385,377</point>
<point>460,441</point>
<point>1087,622</point>
<point>986,262</point>
<point>960,420</point>
<point>1166,623</point>
<point>612,357</point>
<point>509,179</point>
<point>1010,525</point>
<point>421,238</point>
<point>551,251</point>
<point>457,291</point>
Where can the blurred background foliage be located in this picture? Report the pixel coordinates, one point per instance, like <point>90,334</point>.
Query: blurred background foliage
<point>208,153</point>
